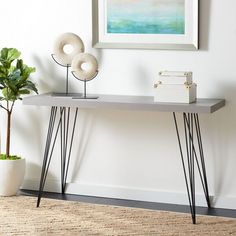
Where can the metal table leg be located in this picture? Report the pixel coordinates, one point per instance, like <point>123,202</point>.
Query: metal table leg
<point>191,132</point>
<point>64,126</point>
<point>65,152</point>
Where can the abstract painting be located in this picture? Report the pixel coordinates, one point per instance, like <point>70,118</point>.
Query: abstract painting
<point>146,24</point>
<point>146,16</point>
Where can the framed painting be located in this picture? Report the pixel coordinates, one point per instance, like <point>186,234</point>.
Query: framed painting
<point>145,24</point>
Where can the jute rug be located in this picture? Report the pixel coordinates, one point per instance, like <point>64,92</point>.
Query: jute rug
<point>19,216</point>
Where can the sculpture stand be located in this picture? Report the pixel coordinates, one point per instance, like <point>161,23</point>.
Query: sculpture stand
<point>67,78</point>
<point>84,95</point>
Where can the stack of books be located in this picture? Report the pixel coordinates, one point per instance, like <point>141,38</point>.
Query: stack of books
<point>176,87</point>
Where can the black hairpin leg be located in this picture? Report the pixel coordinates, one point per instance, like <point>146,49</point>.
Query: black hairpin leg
<point>64,126</point>
<point>192,131</point>
<point>49,147</point>
<point>65,143</point>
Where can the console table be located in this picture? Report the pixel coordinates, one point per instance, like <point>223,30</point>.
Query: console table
<point>60,121</point>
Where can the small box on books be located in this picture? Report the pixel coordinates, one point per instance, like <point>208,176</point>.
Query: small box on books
<point>175,77</point>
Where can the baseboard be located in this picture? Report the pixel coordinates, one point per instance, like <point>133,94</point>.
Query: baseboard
<point>119,192</point>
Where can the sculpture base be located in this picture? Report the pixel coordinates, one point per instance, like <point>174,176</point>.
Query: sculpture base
<point>74,95</point>
<point>85,97</point>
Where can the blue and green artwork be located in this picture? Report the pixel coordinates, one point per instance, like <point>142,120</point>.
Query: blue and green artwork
<point>146,16</point>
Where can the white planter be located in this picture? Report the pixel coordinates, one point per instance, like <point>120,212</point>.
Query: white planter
<point>11,176</point>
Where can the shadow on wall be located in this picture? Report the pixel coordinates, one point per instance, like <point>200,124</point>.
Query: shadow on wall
<point>85,126</point>
<point>119,127</point>
<point>204,24</point>
<point>35,137</point>
<point>98,53</point>
<point>35,170</point>
<point>223,133</point>
<point>52,80</point>
<point>142,83</point>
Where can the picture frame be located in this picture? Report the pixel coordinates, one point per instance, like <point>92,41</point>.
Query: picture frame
<point>178,30</point>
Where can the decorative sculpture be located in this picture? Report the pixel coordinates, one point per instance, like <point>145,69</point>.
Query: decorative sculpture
<point>85,68</point>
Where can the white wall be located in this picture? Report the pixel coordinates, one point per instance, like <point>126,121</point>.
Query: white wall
<point>120,153</point>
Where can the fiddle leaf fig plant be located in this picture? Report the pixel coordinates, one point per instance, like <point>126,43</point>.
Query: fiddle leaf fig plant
<point>14,82</point>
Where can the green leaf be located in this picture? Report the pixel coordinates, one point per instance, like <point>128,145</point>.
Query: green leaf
<point>25,70</point>
<point>9,54</point>
<point>13,54</point>
<point>11,86</point>
<point>9,95</point>
<point>3,71</point>
<point>24,91</point>
<point>30,86</point>
<point>5,92</point>
<point>3,55</point>
<point>14,79</point>
<point>2,81</point>
<point>19,64</point>
<point>15,75</point>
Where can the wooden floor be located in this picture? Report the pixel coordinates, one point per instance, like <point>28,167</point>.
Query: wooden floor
<point>137,204</point>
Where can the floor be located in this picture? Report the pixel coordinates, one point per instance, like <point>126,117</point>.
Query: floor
<point>137,204</point>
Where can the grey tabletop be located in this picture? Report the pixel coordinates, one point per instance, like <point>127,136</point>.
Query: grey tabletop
<point>124,102</point>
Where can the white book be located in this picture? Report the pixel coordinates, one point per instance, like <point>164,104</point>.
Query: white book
<point>176,73</point>
<point>175,93</point>
<point>175,77</point>
<point>175,80</point>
